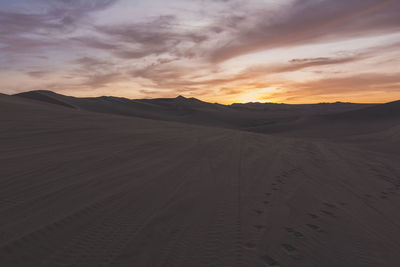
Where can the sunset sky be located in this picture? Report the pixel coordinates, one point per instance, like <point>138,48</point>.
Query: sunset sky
<point>292,51</point>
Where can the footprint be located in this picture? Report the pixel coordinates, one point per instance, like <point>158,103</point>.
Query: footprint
<point>298,234</point>
<point>269,260</point>
<point>267,194</point>
<point>328,213</point>
<point>312,215</point>
<point>289,230</point>
<point>275,189</point>
<point>294,232</point>
<point>288,247</point>
<point>259,212</point>
<point>249,245</point>
<point>291,250</point>
<point>329,205</point>
<point>266,202</point>
<point>314,227</point>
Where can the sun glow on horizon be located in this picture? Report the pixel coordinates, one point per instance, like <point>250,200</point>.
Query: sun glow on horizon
<point>255,95</point>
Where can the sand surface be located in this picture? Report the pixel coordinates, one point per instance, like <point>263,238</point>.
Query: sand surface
<point>79,188</point>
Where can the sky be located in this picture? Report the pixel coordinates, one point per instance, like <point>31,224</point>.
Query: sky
<point>225,51</point>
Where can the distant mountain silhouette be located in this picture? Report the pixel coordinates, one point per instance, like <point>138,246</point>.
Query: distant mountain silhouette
<point>256,117</point>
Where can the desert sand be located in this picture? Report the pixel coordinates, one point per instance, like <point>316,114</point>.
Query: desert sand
<point>83,188</point>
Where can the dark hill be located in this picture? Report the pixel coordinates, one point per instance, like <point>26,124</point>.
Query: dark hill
<point>322,119</point>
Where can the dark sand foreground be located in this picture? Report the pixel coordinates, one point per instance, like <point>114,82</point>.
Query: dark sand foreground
<point>79,188</point>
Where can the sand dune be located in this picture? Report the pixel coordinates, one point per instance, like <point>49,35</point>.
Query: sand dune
<point>382,112</point>
<point>88,189</point>
<point>334,125</point>
<point>327,120</point>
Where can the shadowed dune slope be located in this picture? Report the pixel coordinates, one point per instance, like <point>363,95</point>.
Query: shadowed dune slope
<point>46,96</point>
<point>381,112</point>
<point>372,119</point>
<point>87,189</point>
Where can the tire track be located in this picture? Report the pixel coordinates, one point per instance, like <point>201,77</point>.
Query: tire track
<point>25,246</point>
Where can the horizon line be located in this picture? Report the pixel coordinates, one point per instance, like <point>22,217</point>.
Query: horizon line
<point>233,103</point>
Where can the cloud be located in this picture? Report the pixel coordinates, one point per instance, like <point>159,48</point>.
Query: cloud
<point>95,42</point>
<point>38,74</point>
<point>91,63</point>
<point>57,15</point>
<point>177,76</point>
<point>341,87</point>
<point>307,21</point>
<point>300,64</point>
<point>154,37</point>
<point>96,72</point>
<point>99,80</point>
<point>22,30</point>
<point>170,51</point>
